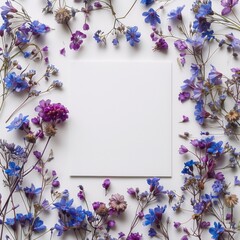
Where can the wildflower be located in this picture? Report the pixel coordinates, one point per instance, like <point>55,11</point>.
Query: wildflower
<point>117,203</point>
<point>63,51</point>
<point>115,42</point>
<point>215,77</point>
<point>152,232</point>
<point>176,14</point>
<point>216,231</point>
<point>185,119</point>
<point>215,148</point>
<point>177,225</point>
<point>160,45</point>
<point>182,149</point>
<point>32,192</point>
<point>38,28</point>
<point>62,15</point>
<point>154,216</point>
<point>228,5</point>
<point>217,186</point>
<point>51,112</point>
<point>236,181</point>
<point>151,17</point>
<point>180,45</point>
<point>147,2</point>
<point>134,236</point>
<point>204,10</point>
<point>38,225</point>
<point>18,122</point>
<point>15,83</point>
<point>13,169</point>
<point>231,200</point>
<point>232,116</point>
<point>77,40</point>
<point>106,183</point>
<point>200,113</point>
<point>132,35</point>
<point>183,96</point>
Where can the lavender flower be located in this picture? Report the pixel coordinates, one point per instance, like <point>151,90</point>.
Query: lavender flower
<point>228,5</point>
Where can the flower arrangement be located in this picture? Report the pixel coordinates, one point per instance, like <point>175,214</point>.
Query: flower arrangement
<point>207,199</point>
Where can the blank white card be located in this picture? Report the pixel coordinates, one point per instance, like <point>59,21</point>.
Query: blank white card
<point>120,118</point>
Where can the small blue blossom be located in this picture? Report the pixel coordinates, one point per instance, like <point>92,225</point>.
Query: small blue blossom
<point>216,148</point>
<point>214,76</point>
<point>147,2</point>
<point>115,42</point>
<point>13,169</point>
<point>176,14</point>
<point>154,216</point>
<point>200,113</point>
<point>152,232</point>
<point>216,230</point>
<point>32,192</point>
<point>205,9</point>
<point>198,208</point>
<point>15,83</point>
<point>217,186</point>
<point>132,35</point>
<point>18,122</point>
<point>151,17</point>
<point>38,28</point>
<point>38,225</point>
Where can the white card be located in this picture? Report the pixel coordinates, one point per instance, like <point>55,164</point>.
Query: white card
<point>120,118</point>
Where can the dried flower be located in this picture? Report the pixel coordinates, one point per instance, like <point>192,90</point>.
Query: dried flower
<point>63,15</point>
<point>117,203</point>
<point>231,200</point>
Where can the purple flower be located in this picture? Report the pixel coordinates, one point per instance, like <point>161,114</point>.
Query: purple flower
<point>161,45</point>
<point>134,236</point>
<point>106,183</point>
<point>51,112</point>
<point>204,224</point>
<point>63,51</point>
<point>85,27</point>
<point>198,208</point>
<point>18,122</point>
<point>151,17</point>
<point>132,35</point>
<point>180,45</point>
<point>228,5</point>
<point>182,150</point>
<point>77,40</point>
<point>183,96</point>
<point>216,231</point>
<point>185,119</point>
<point>196,42</point>
<point>236,181</point>
<point>177,225</point>
<point>185,237</point>
<point>176,14</point>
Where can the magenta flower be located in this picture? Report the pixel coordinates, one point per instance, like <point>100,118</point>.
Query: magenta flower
<point>51,112</point>
<point>161,45</point>
<point>228,5</point>
<point>106,183</point>
<point>77,40</point>
<point>180,45</point>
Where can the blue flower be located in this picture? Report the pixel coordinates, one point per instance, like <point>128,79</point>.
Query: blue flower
<point>214,76</point>
<point>152,232</point>
<point>14,82</point>
<point>60,228</point>
<point>32,192</point>
<point>216,230</point>
<point>200,113</point>
<point>198,208</point>
<point>18,122</point>
<point>64,203</point>
<point>132,35</point>
<point>38,28</point>
<point>115,42</point>
<point>13,169</point>
<point>215,148</point>
<point>38,225</point>
<point>176,14</point>
<point>147,2</point>
<point>154,216</point>
<point>204,10</point>
<point>217,186</point>
<point>151,17</point>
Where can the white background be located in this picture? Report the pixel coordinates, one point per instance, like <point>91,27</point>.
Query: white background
<point>59,38</point>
